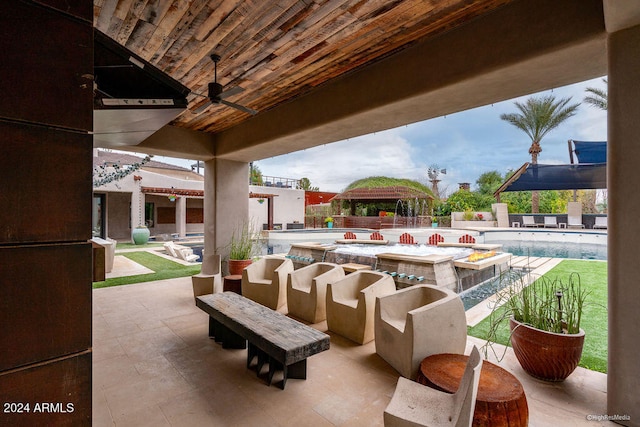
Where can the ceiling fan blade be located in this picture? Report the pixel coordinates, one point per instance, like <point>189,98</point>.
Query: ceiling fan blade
<point>239,107</point>
<point>199,94</point>
<point>233,91</point>
<point>201,108</point>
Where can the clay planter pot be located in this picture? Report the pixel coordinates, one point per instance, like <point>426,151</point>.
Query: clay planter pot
<point>140,235</point>
<point>237,265</point>
<point>546,355</point>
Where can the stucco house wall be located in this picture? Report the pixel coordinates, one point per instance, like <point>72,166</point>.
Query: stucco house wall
<point>288,206</point>
<point>125,203</point>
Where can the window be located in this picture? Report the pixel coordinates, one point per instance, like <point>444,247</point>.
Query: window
<point>149,209</point>
<point>97,216</point>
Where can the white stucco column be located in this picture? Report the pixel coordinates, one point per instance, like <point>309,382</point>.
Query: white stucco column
<point>623,176</point>
<point>226,206</point>
<point>181,216</point>
<point>137,206</point>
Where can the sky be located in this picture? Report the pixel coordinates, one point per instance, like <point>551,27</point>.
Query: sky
<point>466,144</point>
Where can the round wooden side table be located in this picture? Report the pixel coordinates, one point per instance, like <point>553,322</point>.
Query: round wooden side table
<point>232,283</point>
<point>501,400</point>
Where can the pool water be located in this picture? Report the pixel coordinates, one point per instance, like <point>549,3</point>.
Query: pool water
<point>555,249</point>
<point>475,295</point>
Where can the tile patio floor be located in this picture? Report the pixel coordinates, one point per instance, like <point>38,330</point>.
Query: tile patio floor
<point>153,365</point>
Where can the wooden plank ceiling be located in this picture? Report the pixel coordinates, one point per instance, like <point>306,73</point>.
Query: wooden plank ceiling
<point>276,50</point>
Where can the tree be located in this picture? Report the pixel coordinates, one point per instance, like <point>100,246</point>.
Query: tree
<point>489,182</point>
<point>550,201</point>
<point>463,200</point>
<point>305,184</point>
<point>255,177</point>
<point>597,97</point>
<point>537,117</point>
<point>110,172</point>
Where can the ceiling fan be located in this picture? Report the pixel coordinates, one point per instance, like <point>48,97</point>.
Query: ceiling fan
<point>216,94</point>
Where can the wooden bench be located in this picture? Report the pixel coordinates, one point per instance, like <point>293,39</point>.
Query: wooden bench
<point>273,338</point>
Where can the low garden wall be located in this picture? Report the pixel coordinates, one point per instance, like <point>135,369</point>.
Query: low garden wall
<point>470,220</point>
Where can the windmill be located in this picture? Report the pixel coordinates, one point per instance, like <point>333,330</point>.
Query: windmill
<point>433,172</point>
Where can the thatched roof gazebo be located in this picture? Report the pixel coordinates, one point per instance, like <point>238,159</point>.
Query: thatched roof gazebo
<point>381,194</point>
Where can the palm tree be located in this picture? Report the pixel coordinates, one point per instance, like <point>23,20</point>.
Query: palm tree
<point>537,117</point>
<point>597,97</point>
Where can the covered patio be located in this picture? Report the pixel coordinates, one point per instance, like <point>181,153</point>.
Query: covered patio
<point>154,365</point>
<point>317,72</point>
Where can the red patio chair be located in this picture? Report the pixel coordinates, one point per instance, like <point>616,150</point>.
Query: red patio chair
<point>407,239</point>
<point>466,239</point>
<point>434,239</point>
<point>350,235</point>
<point>376,236</point>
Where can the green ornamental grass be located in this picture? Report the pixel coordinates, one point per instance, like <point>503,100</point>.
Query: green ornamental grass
<point>593,282</point>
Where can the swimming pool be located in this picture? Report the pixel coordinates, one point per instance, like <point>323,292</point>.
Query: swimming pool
<point>575,244</point>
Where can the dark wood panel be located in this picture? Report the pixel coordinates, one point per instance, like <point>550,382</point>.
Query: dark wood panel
<point>275,53</point>
<point>82,9</point>
<point>46,77</point>
<point>195,215</point>
<point>46,179</point>
<point>58,393</point>
<point>166,216</point>
<point>45,302</point>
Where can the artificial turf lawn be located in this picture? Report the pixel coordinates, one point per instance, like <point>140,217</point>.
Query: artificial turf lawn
<point>163,269</point>
<point>593,278</point>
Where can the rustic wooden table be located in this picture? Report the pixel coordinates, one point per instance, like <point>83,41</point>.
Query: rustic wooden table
<point>273,338</point>
<point>501,400</point>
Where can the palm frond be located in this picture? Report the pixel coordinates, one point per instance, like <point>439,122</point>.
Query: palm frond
<point>597,97</point>
<point>540,115</point>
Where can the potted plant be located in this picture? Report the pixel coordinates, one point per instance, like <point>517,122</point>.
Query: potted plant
<point>329,221</point>
<point>544,321</point>
<point>243,248</point>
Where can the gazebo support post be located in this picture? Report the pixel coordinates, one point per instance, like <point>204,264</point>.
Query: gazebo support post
<point>270,213</point>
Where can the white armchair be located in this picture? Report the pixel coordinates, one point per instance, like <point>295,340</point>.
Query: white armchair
<point>417,322</point>
<point>351,303</point>
<point>414,404</point>
<point>307,290</point>
<point>265,282</point>
<point>209,280</point>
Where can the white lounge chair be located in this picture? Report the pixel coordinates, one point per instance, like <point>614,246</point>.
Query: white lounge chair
<point>171,249</point>
<point>186,254</point>
<point>574,215</point>
<point>529,221</point>
<point>416,322</point>
<point>601,222</point>
<point>550,222</point>
<point>351,303</point>
<point>414,404</point>
<point>307,290</point>
<point>181,252</point>
<point>573,222</point>
<point>265,282</point>
<point>209,280</point>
